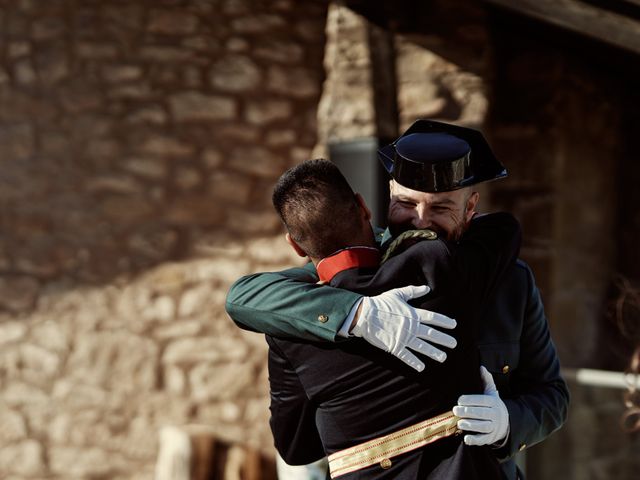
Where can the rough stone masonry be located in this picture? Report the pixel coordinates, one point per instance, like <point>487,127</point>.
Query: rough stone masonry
<point>139,141</point>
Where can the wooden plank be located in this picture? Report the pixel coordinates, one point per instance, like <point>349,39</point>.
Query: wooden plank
<point>633,2</point>
<point>609,27</point>
<point>175,455</point>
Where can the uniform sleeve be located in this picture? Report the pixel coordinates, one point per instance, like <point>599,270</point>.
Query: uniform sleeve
<point>289,304</point>
<point>292,415</point>
<point>538,398</point>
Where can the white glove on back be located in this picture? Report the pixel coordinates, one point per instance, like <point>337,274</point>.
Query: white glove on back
<point>388,322</point>
<point>485,414</point>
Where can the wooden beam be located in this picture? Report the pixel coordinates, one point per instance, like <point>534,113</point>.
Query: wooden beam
<point>382,55</point>
<point>594,22</point>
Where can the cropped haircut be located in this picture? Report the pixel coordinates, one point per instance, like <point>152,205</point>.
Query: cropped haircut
<point>318,207</point>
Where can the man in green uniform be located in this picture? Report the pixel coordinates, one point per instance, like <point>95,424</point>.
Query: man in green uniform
<point>430,165</point>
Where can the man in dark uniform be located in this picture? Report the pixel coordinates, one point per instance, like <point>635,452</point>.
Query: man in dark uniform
<point>343,398</point>
<point>514,340</point>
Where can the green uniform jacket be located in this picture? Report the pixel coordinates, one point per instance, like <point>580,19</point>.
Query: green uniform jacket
<point>514,341</point>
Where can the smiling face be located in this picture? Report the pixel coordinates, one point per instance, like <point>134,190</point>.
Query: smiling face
<point>446,213</point>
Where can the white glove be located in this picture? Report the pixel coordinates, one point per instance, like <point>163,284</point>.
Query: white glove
<point>388,322</point>
<point>485,414</point>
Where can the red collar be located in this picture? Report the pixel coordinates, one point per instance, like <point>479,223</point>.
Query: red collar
<point>348,258</point>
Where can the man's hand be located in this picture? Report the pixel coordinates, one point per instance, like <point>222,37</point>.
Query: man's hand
<point>485,414</point>
<point>388,322</point>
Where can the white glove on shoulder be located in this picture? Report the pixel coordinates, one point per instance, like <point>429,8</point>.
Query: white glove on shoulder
<point>487,415</point>
<point>388,322</point>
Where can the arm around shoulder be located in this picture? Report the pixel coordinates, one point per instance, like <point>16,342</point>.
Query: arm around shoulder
<point>289,304</point>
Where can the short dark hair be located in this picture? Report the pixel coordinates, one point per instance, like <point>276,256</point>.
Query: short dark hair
<point>318,207</point>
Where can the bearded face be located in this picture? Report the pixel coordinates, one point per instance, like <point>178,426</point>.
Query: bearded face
<point>446,213</point>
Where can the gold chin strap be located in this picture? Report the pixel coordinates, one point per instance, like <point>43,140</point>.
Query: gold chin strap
<point>394,247</point>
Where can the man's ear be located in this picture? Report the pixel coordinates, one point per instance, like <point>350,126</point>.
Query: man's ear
<point>363,207</point>
<point>295,246</point>
<point>472,203</point>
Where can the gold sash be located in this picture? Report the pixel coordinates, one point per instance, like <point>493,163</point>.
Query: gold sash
<point>382,449</point>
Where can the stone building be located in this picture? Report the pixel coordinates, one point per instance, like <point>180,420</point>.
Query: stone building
<point>140,139</point>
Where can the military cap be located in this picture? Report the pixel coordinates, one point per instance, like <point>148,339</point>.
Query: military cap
<point>438,157</point>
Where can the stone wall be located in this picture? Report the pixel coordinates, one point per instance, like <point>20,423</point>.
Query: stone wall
<point>139,141</point>
<point>346,107</point>
<point>436,79</point>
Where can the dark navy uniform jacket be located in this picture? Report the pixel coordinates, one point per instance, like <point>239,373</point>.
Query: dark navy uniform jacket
<point>328,397</point>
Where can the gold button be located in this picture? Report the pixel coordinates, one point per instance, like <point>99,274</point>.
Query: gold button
<point>323,318</point>
<point>522,447</point>
<point>385,463</point>
<point>505,369</point>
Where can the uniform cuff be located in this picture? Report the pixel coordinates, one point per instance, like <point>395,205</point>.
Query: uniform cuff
<point>346,326</point>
